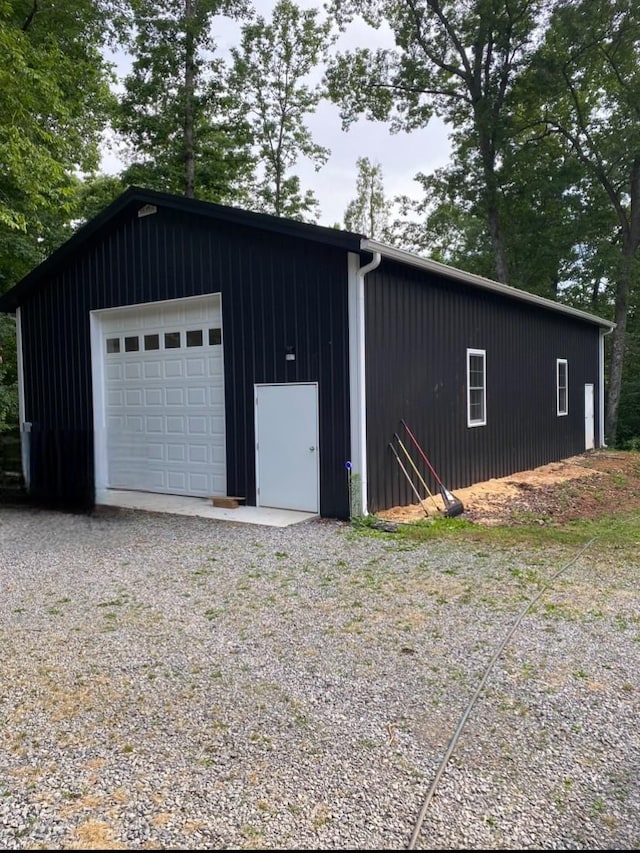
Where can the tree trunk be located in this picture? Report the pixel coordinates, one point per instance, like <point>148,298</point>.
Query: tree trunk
<point>618,341</point>
<point>277,198</point>
<point>189,87</point>
<point>493,211</point>
<point>630,244</point>
<point>497,238</point>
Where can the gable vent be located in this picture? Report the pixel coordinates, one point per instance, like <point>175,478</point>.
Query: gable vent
<point>147,210</point>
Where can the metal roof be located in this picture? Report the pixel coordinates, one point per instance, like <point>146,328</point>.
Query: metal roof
<point>135,198</point>
<point>412,259</point>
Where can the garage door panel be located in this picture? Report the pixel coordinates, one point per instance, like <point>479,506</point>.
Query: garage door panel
<point>215,365</point>
<point>174,397</point>
<point>132,370</point>
<point>196,367</point>
<point>197,396</point>
<point>197,425</point>
<point>177,481</point>
<point>152,370</point>
<point>114,423</point>
<point>154,423</point>
<point>165,406</point>
<point>175,424</point>
<point>176,452</point>
<point>199,454</point>
<point>113,372</point>
<point>153,397</point>
<point>154,479</point>
<point>197,482</point>
<point>133,423</point>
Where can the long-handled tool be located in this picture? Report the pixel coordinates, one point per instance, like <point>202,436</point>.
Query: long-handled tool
<point>454,505</point>
<point>417,472</point>
<point>406,474</point>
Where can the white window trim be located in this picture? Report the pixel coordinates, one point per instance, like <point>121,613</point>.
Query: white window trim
<point>483,421</point>
<point>562,412</point>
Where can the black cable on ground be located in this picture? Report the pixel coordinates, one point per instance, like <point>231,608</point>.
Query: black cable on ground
<point>463,719</point>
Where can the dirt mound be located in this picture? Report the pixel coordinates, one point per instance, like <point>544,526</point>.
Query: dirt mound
<point>586,486</point>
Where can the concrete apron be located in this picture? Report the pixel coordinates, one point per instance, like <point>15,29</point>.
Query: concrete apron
<point>201,507</point>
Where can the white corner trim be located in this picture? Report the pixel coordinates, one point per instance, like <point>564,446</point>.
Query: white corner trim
<point>99,424</point>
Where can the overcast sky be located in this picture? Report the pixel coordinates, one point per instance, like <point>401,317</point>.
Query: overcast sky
<point>400,155</point>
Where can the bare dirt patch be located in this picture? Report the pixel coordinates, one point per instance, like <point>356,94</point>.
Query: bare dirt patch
<point>582,487</point>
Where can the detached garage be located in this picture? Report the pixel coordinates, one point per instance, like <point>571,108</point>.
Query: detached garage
<point>181,347</point>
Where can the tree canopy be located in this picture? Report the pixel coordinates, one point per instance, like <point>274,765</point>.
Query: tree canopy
<point>368,213</point>
<point>270,77</point>
<point>541,99</point>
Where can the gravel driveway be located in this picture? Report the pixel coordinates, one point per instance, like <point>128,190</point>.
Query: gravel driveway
<point>176,683</point>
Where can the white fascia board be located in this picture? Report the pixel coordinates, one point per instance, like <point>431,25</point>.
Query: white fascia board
<point>436,267</point>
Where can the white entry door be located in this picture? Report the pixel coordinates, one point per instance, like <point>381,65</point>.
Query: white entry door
<point>589,429</point>
<point>287,456</point>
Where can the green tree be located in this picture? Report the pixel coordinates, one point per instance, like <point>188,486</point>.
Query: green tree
<point>54,102</point>
<point>173,112</point>
<point>368,212</point>
<point>8,378</point>
<point>554,217</point>
<point>455,60</point>
<point>271,73</point>
<point>94,193</point>
<point>585,82</point>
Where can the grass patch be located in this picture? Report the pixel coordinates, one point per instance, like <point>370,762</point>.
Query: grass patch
<point>614,532</point>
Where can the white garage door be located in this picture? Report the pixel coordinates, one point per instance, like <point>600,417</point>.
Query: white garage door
<point>164,397</point>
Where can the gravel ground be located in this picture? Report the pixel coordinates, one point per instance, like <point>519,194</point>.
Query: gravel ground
<point>176,683</point>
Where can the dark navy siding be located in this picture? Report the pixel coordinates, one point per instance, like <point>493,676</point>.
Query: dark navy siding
<point>277,291</point>
<point>418,329</point>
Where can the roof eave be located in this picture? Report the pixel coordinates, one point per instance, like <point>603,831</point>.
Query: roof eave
<point>137,196</point>
<point>404,257</point>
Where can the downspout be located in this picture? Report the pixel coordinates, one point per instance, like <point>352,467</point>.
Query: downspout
<point>603,334</point>
<point>362,271</point>
<point>25,428</point>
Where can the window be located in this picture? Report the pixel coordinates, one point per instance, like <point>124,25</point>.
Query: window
<point>131,344</point>
<point>194,338</point>
<point>215,337</point>
<point>171,340</point>
<point>476,387</point>
<point>113,345</point>
<point>562,386</point>
<point>152,342</point>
